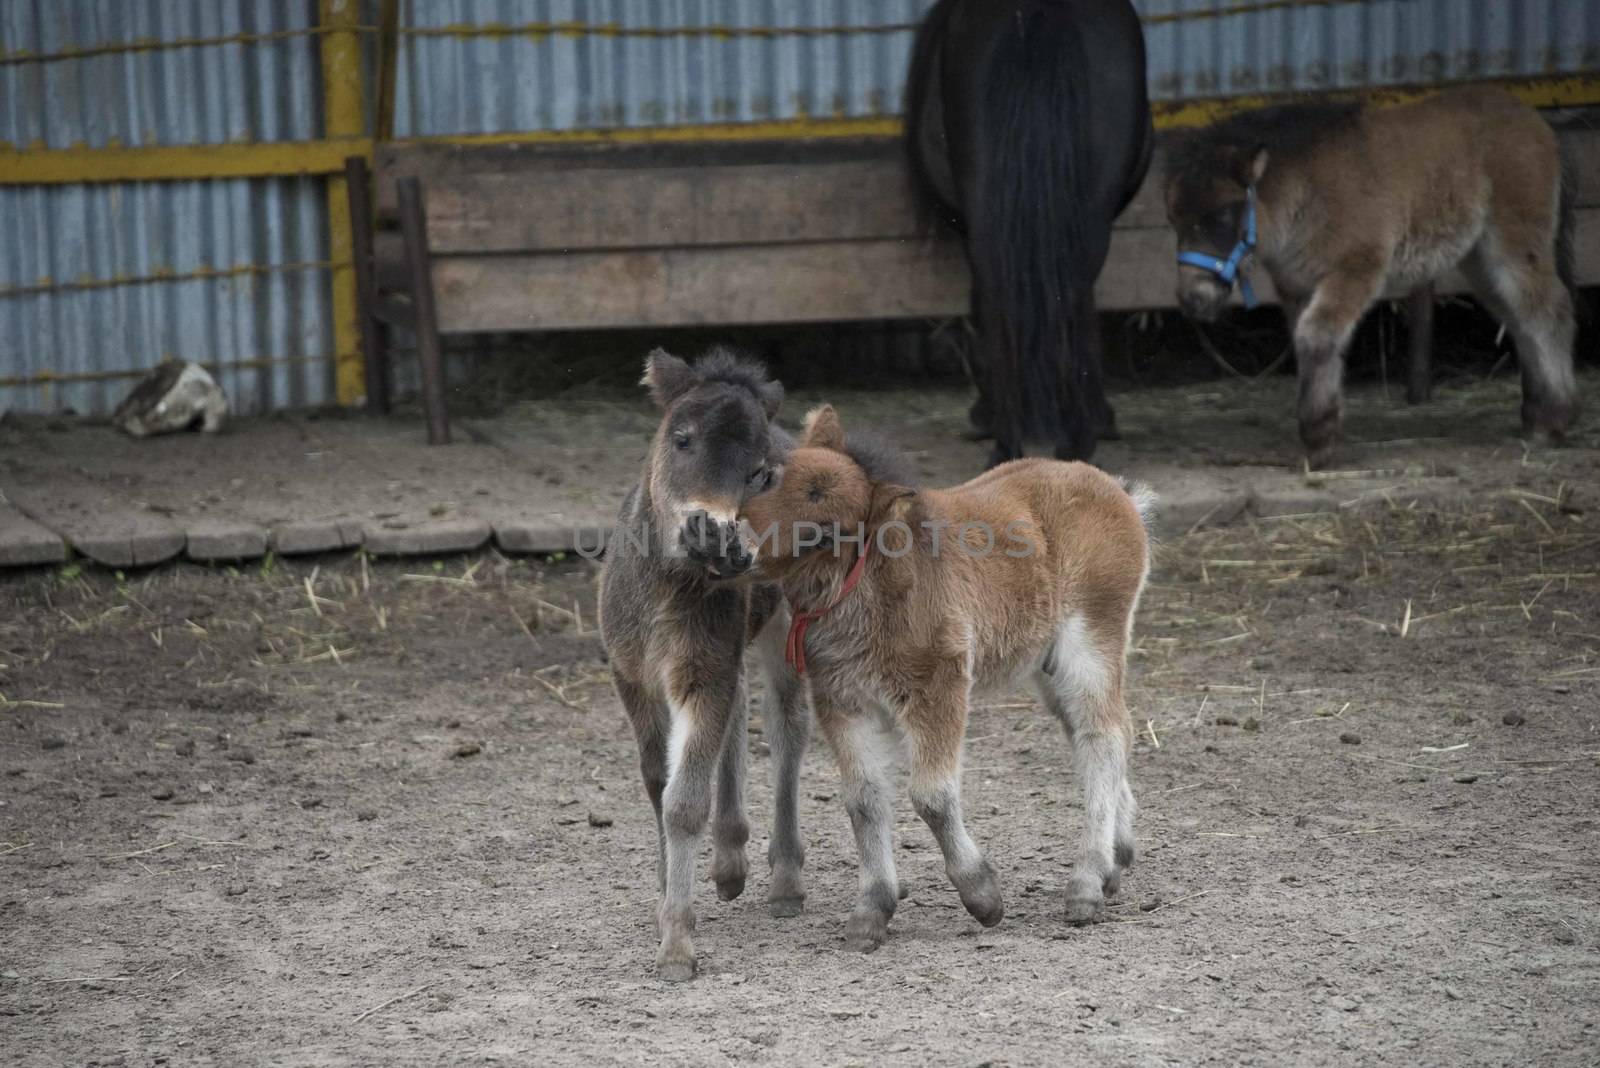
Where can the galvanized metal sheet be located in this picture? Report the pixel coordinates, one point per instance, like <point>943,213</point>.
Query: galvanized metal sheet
<point>267,330</point>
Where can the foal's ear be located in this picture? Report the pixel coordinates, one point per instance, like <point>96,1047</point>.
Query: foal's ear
<point>1258,165</point>
<point>771,394</point>
<point>890,502</point>
<point>822,429</point>
<point>667,377</point>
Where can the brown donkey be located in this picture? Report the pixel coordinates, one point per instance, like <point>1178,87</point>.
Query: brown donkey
<point>909,602</point>
<point>1341,202</point>
<point>676,639</point>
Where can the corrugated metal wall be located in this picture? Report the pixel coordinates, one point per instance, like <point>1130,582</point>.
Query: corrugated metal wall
<point>1359,44</point>
<point>65,235</point>
<point>582,64</point>
<point>626,76</point>
<point>563,81</point>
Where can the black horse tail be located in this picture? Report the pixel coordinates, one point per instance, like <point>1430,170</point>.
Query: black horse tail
<point>1025,228</point>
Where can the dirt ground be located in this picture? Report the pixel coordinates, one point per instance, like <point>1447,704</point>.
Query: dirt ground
<point>342,811</point>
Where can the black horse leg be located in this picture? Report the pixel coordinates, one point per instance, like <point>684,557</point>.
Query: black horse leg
<point>981,414</point>
<point>1103,415</point>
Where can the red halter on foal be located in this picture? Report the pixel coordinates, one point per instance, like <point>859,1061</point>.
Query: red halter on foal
<point>794,650</point>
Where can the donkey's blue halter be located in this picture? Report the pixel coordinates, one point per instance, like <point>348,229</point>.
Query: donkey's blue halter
<point>1227,271</point>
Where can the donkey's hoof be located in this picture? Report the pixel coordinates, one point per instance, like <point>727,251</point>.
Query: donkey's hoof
<point>730,887</point>
<point>1082,911</point>
<point>783,908</point>
<point>1112,885</point>
<point>904,892</point>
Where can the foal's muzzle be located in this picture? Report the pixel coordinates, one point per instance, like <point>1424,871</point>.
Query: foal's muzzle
<point>716,544</point>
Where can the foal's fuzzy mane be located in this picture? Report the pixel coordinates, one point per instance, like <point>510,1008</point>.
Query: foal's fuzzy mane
<point>881,459</point>
<point>1286,131</point>
<point>722,364</point>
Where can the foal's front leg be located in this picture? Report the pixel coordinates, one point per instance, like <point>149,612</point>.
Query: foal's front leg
<point>700,704</point>
<point>864,749</point>
<point>1321,336</point>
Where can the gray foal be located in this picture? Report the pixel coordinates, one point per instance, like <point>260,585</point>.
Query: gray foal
<point>676,638</point>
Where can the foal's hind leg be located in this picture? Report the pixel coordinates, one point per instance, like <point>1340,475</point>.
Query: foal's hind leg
<point>1321,335</point>
<point>649,719</point>
<point>936,723</point>
<point>1083,689</point>
<point>1517,280</point>
<point>730,829</point>
<point>787,722</point>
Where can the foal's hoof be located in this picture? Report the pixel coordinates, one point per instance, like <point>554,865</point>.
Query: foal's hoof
<point>786,896</point>
<point>729,874</point>
<point>783,908</point>
<point>1112,886</point>
<point>675,971</point>
<point>865,933</point>
<point>1082,911</point>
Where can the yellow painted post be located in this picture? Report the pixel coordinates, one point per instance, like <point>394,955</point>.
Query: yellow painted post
<point>342,110</point>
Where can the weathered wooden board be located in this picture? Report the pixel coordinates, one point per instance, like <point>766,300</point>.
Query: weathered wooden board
<point>669,206</point>
<point>438,162</point>
<point>24,542</point>
<point>94,521</point>
<point>454,535</point>
<point>213,539</point>
<point>680,287</point>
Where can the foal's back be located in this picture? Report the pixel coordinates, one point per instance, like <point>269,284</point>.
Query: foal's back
<point>1083,535</point>
<point>1434,174</point>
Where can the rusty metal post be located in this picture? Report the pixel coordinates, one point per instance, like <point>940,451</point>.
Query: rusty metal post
<point>414,231</point>
<point>1419,318</point>
<point>374,360</point>
<point>342,117</point>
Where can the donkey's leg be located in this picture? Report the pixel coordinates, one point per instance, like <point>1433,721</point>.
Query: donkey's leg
<point>700,703</point>
<point>1321,335</point>
<point>865,750</point>
<point>1084,690</point>
<point>730,829</point>
<point>936,722</point>
<point>787,722</point>
<point>1517,281</point>
<point>649,719</point>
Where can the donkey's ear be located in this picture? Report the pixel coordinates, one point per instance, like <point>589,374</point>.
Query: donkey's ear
<point>1258,165</point>
<point>667,377</point>
<point>822,429</point>
<point>890,503</point>
<point>771,394</point>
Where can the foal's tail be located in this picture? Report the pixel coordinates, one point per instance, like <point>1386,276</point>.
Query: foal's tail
<point>1565,220</point>
<point>1026,235</point>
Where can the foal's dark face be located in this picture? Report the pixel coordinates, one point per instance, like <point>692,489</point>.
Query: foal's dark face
<point>1207,203</point>
<point>710,452</point>
<point>1208,216</point>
